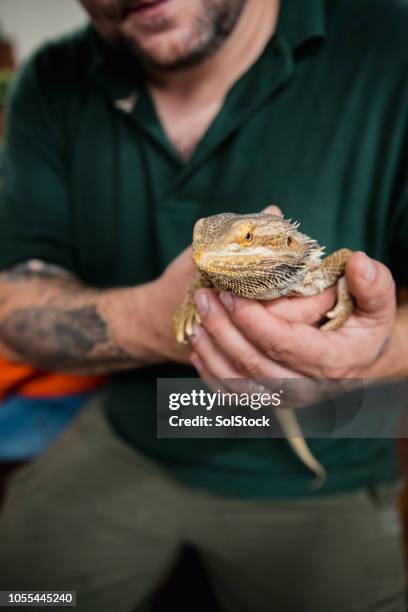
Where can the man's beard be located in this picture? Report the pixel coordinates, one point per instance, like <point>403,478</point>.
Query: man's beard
<point>208,32</point>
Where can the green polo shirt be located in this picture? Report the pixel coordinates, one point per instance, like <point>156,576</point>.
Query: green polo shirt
<point>319,125</point>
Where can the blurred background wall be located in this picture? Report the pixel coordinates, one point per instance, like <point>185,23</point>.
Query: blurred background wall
<point>27,29</point>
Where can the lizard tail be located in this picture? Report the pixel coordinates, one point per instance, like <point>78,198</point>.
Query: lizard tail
<point>291,428</point>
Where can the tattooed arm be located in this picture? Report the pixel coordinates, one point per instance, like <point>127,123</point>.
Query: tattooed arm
<point>53,322</point>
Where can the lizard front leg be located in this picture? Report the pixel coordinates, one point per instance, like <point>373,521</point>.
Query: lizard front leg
<point>333,269</point>
<point>187,314</point>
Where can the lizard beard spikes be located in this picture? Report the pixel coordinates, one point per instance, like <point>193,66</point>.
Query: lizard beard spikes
<point>255,282</point>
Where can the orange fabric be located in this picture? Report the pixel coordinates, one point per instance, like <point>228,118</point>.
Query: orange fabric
<point>29,382</point>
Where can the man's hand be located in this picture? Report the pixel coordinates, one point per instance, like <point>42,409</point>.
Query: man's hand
<point>163,297</point>
<point>279,338</point>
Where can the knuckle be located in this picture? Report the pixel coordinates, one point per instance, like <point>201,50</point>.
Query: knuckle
<point>244,314</point>
<point>388,282</point>
<point>385,283</point>
<point>213,325</point>
<point>248,362</point>
<point>282,354</point>
<point>282,351</point>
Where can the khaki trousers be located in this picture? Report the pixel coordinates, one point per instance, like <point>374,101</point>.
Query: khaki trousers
<point>94,516</point>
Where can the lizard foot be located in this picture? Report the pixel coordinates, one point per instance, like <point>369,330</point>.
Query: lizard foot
<point>343,308</point>
<point>184,319</point>
<point>187,314</point>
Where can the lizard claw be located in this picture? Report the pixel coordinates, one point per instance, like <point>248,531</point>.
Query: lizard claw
<point>342,310</point>
<point>187,314</point>
<point>189,323</point>
<point>184,320</point>
<point>336,320</point>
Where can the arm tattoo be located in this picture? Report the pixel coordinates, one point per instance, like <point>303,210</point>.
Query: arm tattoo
<point>61,332</point>
<point>53,338</point>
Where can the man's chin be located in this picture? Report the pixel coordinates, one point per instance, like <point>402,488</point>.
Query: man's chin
<point>163,52</point>
<point>175,41</point>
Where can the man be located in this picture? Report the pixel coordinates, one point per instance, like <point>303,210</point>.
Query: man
<point>119,138</point>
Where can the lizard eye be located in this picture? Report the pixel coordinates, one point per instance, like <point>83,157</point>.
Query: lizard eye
<point>289,241</point>
<point>249,236</point>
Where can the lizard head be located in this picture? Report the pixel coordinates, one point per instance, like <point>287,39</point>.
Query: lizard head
<point>260,255</point>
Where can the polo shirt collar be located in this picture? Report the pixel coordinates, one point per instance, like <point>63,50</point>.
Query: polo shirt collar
<point>301,21</point>
<point>107,61</point>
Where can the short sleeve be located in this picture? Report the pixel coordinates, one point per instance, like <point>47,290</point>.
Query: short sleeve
<point>35,216</point>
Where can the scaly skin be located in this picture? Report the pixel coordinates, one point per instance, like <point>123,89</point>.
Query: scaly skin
<point>264,256</point>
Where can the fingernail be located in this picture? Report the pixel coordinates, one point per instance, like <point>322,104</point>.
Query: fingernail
<point>227,299</point>
<point>202,302</point>
<point>368,270</point>
<point>196,361</point>
<point>196,332</point>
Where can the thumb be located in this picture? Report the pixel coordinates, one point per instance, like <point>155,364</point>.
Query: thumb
<point>273,210</point>
<point>372,285</point>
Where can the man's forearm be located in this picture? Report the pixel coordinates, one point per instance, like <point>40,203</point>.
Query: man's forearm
<point>55,323</point>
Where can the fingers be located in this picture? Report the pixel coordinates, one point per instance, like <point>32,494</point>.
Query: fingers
<point>210,359</point>
<point>213,366</point>
<point>372,286</point>
<point>240,344</point>
<point>309,391</point>
<point>275,339</point>
<point>216,384</point>
<point>237,384</point>
<point>309,310</point>
<point>296,346</point>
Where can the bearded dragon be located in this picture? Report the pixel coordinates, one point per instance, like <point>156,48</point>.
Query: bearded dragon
<point>264,256</point>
